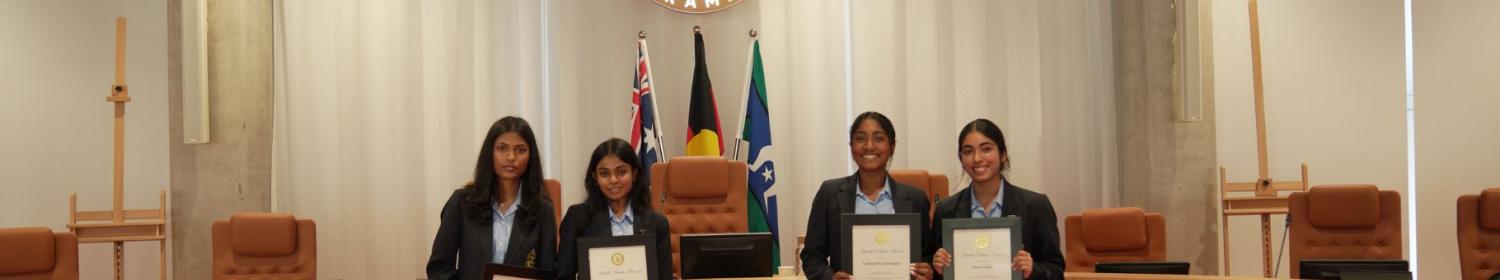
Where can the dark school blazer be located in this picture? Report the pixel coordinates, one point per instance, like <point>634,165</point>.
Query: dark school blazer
<point>463,246</point>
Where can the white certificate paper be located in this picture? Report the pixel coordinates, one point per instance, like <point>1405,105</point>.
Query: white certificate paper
<point>881,251</point>
<point>982,253</point>
<point>618,263</point>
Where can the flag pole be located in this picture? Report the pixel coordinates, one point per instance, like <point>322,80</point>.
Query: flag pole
<point>655,114</point>
<point>745,98</point>
<point>635,69</point>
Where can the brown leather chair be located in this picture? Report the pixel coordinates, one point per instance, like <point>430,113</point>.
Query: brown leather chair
<point>554,191</point>
<point>38,254</point>
<point>700,195</point>
<point>265,246</point>
<point>1114,235</point>
<point>935,185</point>
<point>1344,222</point>
<point>1479,234</point>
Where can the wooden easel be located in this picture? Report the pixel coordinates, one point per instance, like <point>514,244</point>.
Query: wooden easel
<point>1266,199</point>
<point>121,225</point>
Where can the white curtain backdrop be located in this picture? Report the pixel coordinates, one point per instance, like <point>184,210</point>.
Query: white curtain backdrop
<point>1042,70</point>
<point>380,105</point>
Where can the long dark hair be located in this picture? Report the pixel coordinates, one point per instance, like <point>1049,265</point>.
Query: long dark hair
<point>989,130</point>
<point>640,192</point>
<point>482,197</point>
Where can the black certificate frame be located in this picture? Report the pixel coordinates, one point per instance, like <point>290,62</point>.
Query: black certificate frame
<point>847,222</point>
<point>1011,222</point>
<point>647,240</point>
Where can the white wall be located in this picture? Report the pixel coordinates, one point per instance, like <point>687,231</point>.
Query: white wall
<point>1334,96</point>
<point>58,59</point>
<point>1456,93</point>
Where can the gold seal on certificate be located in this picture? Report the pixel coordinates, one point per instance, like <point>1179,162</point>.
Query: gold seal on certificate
<point>981,259</point>
<point>618,262</point>
<point>617,257</point>
<point>982,248</point>
<point>880,246</point>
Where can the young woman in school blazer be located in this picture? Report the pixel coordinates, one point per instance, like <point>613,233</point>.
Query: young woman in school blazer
<point>618,204</point>
<point>502,216</point>
<point>984,157</point>
<point>870,190</point>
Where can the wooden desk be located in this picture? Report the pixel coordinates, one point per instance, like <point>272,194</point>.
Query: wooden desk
<point>1070,276</point>
<point>1122,276</point>
<point>778,277</point>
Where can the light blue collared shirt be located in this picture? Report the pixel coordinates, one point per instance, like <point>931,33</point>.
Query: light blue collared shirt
<point>504,220</point>
<point>881,205</point>
<point>977,211</point>
<point>622,225</point>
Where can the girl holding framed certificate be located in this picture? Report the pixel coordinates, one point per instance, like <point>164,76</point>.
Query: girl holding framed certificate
<point>984,157</point>
<point>870,190</point>
<point>617,205</point>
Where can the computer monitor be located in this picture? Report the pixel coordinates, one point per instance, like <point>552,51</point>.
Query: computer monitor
<point>726,255</point>
<point>1178,268</point>
<point>1333,269</point>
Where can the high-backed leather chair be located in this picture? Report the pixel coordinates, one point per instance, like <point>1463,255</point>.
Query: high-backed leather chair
<point>265,246</point>
<point>1344,222</point>
<point>554,191</point>
<point>1479,234</point>
<point>700,195</point>
<point>38,254</point>
<point>1114,235</point>
<point>935,185</point>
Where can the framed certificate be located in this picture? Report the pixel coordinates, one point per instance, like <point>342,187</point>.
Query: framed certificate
<point>881,246</point>
<point>618,257</point>
<point>982,248</point>
<point>505,271</point>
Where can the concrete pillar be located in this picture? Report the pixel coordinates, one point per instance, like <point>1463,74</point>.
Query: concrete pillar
<point>1166,165</point>
<point>233,172</point>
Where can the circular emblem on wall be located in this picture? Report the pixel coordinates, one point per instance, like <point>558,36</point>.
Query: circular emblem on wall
<point>697,6</point>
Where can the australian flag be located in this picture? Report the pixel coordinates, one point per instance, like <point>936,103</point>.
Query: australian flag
<point>644,137</point>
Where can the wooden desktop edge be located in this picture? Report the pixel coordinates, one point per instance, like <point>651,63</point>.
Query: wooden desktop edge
<point>1069,276</point>
<point>1124,276</point>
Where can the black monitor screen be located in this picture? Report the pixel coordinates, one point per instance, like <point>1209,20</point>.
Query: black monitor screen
<point>1331,269</point>
<point>1178,268</point>
<point>726,255</point>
